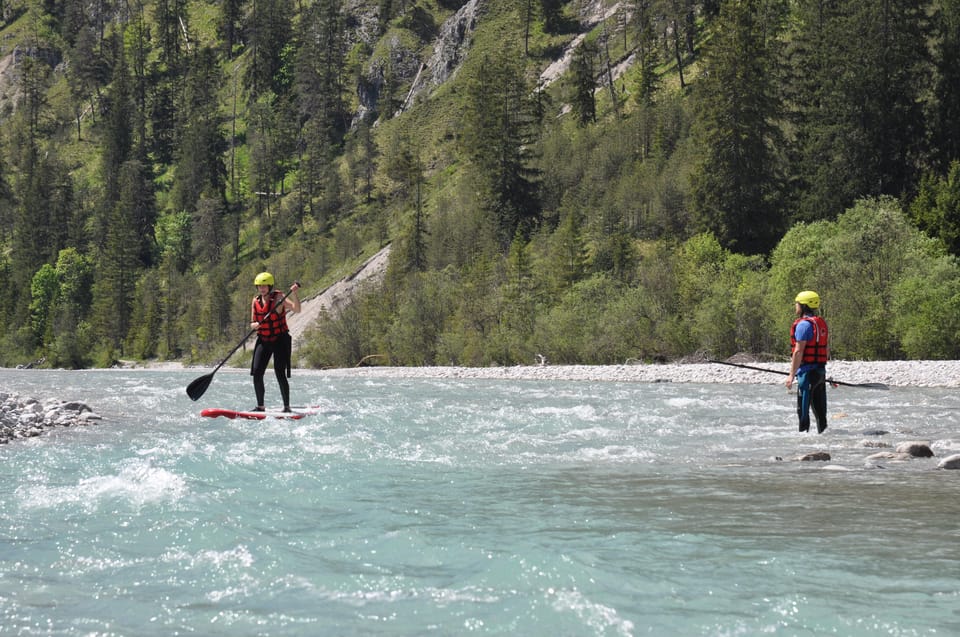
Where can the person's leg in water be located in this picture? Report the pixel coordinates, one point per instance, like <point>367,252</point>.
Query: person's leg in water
<point>281,367</point>
<point>812,393</point>
<point>818,400</point>
<point>258,367</point>
<point>803,401</point>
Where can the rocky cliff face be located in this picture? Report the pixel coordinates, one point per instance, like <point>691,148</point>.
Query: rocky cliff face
<point>449,50</point>
<point>403,65</point>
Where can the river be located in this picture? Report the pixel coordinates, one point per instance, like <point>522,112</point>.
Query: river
<point>419,506</point>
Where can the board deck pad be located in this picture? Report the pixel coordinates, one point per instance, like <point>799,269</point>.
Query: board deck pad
<point>296,414</point>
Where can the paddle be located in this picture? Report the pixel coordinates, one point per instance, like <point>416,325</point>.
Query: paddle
<point>196,389</point>
<point>777,371</point>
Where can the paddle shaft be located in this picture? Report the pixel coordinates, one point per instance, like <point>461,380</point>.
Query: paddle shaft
<point>777,371</point>
<point>196,389</point>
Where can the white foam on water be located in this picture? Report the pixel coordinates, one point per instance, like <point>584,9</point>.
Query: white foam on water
<point>599,617</point>
<point>137,482</point>
<point>578,412</point>
<point>610,454</point>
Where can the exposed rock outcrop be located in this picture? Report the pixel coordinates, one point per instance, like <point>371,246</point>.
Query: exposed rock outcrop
<point>449,51</point>
<point>337,295</point>
<point>26,417</point>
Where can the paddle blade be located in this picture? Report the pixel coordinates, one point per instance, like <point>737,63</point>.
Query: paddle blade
<point>196,388</point>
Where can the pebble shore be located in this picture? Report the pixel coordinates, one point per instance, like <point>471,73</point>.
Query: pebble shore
<point>27,417</point>
<point>892,373</point>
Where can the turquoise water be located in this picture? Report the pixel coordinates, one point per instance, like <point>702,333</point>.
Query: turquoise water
<point>447,507</point>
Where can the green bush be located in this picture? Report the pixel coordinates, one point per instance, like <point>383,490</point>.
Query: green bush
<point>926,311</point>
<point>856,265</point>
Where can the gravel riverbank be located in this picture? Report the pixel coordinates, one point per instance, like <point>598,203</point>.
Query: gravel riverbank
<point>892,373</point>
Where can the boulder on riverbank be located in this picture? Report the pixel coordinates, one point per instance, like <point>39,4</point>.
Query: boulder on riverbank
<point>27,417</point>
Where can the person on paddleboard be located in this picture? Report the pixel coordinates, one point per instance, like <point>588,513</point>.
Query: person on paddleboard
<point>808,360</point>
<point>268,315</point>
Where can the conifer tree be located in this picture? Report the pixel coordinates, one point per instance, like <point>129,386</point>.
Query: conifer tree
<point>320,104</point>
<point>172,31</point>
<point>552,12</point>
<point>269,33</point>
<point>146,317</point>
<point>363,155</point>
<point>858,73</point>
<point>87,73</point>
<point>936,209</point>
<point>200,169</point>
<point>27,252</point>
<point>208,238</point>
<point>118,259</point>
<point>229,28</point>
<point>139,51</point>
<point>526,16</point>
<point>582,67</point>
<point>266,160</point>
<point>737,182</point>
<point>6,196</point>
<point>946,90</point>
<point>117,139</point>
<point>43,218</point>
<point>166,72</point>
<point>647,53</point>
<point>499,131</point>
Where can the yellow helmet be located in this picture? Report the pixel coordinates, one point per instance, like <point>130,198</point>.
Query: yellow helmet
<point>264,278</point>
<point>809,298</point>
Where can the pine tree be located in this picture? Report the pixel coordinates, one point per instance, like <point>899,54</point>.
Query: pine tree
<point>498,133</point>
<point>44,216</point>
<point>118,260</point>
<point>737,182</point>
<point>946,90</point>
<point>552,12</point>
<point>139,51</point>
<point>647,53</point>
<point>936,209</point>
<point>6,196</point>
<point>86,75</point>
<point>363,154</point>
<point>229,29</point>
<point>269,30</point>
<point>200,169</point>
<point>321,107</point>
<point>117,138</point>
<point>858,70</point>
<point>584,73</point>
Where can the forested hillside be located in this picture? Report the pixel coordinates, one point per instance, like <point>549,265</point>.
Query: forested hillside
<point>583,181</point>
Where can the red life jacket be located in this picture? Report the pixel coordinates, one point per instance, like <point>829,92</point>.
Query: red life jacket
<point>815,350</point>
<point>274,324</point>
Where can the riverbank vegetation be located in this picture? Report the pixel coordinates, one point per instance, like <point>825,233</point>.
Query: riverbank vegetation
<point>666,191</point>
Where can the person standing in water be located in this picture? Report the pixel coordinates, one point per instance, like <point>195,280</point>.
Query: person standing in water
<point>808,360</point>
<point>268,315</point>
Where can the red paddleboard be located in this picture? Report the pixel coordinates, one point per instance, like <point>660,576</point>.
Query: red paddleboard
<point>296,414</point>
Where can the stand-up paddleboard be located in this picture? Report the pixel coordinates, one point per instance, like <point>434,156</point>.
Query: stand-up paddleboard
<point>296,414</point>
